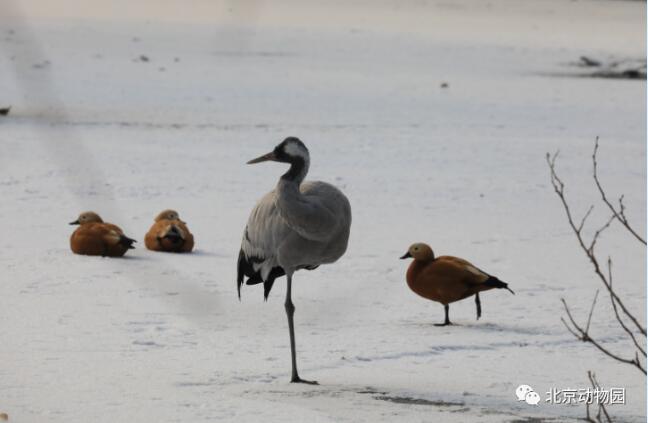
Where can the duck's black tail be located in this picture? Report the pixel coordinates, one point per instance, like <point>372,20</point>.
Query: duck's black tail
<point>126,241</point>
<point>496,283</point>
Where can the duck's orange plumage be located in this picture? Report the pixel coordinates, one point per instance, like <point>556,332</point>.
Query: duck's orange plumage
<point>169,234</point>
<point>446,279</point>
<point>94,237</point>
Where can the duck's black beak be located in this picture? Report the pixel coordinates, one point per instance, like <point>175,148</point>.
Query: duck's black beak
<point>406,255</point>
<point>266,157</point>
<point>76,222</point>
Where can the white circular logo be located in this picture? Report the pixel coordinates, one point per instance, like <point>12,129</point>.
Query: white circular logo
<point>522,391</point>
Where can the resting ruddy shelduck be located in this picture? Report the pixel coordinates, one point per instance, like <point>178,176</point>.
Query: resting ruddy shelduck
<point>446,279</point>
<point>94,237</point>
<point>169,234</point>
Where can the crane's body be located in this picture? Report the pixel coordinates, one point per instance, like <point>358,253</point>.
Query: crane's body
<point>298,225</point>
<point>271,244</point>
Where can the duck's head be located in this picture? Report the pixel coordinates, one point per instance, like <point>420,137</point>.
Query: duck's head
<point>87,217</point>
<point>290,150</point>
<point>419,251</point>
<point>168,215</point>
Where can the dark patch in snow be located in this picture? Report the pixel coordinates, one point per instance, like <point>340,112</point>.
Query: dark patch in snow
<point>383,396</point>
<point>194,384</point>
<point>419,401</point>
<point>610,68</point>
<point>147,344</point>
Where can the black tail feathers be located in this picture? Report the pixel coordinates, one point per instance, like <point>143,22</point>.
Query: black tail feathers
<point>246,269</point>
<point>126,241</point>
<point>496,283</point>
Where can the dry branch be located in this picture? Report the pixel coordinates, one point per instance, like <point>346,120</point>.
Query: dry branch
<point>602,412</point>
<point>620,213</point>
<point>620,310</point>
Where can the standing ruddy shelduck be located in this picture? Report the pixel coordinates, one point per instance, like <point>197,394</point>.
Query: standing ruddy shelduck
<point>169,234</point>
<point>446,279</point>
<point>95,238</point>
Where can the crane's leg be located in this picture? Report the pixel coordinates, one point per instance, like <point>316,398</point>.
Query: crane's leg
<point>447,317</point>
<point>478,304</point>
<point>290,312</point>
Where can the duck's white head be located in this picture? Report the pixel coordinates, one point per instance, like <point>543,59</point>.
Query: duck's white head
<point>87,217</point>
<point>167,215</point>
<point>419,251</point>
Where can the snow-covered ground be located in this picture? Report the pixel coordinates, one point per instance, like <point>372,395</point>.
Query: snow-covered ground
<point>158,337</point>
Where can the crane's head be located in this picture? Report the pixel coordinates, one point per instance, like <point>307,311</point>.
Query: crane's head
<point>289,151</point>
<point>87,217</point>
<point>419,251</point>
<point>168,215</point>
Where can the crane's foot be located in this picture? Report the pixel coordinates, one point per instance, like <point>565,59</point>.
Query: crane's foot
<point>297,379</point>
<point>444,324</point>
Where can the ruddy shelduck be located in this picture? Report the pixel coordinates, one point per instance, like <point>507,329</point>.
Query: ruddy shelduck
<point>447,279</point>
<point>94,237</point>
<point>169,234</point>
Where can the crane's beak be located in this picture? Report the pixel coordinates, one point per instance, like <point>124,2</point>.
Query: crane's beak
<point>266,157</point>
<point>406,255</point>
<point>76,222</point>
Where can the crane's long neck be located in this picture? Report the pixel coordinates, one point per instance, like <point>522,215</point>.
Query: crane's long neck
<point>289,196</point>
<point>298,170</point>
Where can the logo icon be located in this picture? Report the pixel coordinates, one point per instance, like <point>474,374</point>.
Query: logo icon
<point>532,398</point>
<point>527,394</point>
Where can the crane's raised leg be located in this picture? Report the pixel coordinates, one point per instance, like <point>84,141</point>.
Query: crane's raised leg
<point>290,312</point>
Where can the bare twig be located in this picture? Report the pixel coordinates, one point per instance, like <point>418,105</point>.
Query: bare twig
<point>598,233</point>
<point>616,312</point>
<point>589,319</point>
<point>602,412</point>
<point>580,227</point>
<point>559,188</point>
<point>619,214</point>
<point>569,328</point>
<point>621,312</point>
<point>584,336</point>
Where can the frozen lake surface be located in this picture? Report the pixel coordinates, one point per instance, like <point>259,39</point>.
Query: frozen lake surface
<point>130,109</point>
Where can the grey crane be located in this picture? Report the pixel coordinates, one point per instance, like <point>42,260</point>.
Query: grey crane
<point>298,225</point>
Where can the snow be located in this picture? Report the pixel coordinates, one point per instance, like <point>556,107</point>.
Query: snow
<point>161,337</point>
